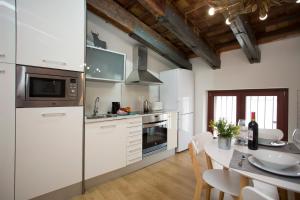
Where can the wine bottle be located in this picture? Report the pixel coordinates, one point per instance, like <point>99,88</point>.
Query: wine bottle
<point>253,133</point>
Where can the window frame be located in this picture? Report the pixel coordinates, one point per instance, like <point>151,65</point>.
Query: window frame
<point>282,104</point>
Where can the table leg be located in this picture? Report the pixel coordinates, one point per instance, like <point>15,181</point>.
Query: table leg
<point>283,194</point>
<point>297,195</point>
<point>244,181</point>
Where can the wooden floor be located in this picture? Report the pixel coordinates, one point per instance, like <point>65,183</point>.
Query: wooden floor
<point>170,179</point>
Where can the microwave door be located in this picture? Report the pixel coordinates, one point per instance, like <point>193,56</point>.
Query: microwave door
<point>44,87</point>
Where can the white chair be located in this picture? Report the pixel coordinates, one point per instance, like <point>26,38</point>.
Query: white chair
<point>272,134</point>
<point>225,181</point>
<point>250,193</point>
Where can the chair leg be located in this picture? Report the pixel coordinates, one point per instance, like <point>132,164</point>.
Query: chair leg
<point>236,198</point>
<point>283,194</point>
<point>208,191</point>
<point>221,195</point>
<point>198,191</point>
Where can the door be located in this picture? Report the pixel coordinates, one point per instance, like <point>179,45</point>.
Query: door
<point>51,33</point>
<point>7,132</point>
<point>270,106</point>
<point>172,130</point>
<point>105,148</point>
<point>185,131</point>
<point>7,33</point>
<point>48,149</point>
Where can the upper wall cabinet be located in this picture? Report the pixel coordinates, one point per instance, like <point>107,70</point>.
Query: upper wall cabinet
<point>7,32</point>
<point>51,33</point>
<point>104,65</point>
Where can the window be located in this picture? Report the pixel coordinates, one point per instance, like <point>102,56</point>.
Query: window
<point>270,106</point>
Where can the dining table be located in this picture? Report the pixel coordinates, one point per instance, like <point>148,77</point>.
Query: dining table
<point>223,157</point>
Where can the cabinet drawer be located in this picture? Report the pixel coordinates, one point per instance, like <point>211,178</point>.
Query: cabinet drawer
<point>133,138</point>
<point>134,149</point>
<point>134,158</point>
<point>103,126</point>
<point>134,132</point>
<point>134,142</point>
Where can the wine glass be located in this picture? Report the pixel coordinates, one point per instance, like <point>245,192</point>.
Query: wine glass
<point>243,137</point>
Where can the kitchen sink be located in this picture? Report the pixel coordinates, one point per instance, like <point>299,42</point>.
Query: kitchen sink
<point>101,116</point>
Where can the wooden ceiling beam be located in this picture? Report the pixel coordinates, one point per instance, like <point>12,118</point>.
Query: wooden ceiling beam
<point>246,38</point>
<point>120,17</point>
<point>175,23</point>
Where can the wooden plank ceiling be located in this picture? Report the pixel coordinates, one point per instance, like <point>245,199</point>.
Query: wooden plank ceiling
<point>283,21</point>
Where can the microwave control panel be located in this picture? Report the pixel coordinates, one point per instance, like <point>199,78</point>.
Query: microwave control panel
<point>73,88</point>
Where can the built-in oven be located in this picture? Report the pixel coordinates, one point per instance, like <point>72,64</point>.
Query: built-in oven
<point>155,133</point>
<point>44,87</point>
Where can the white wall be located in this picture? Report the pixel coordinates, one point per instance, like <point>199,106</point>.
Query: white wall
<point>279,68</point>
<point>126,94</point>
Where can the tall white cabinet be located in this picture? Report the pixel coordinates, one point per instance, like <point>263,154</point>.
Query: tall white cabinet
<point>7,93</point>
<point>49,149</point>
<point>7,132</point>
<point>7,33</point>
<point>51,33</point>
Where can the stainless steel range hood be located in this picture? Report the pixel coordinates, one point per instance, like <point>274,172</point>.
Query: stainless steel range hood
<point>140,74</point>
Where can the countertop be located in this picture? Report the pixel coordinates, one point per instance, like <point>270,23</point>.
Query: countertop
<point>120,117</point>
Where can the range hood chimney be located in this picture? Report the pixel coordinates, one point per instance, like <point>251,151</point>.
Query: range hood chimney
<point>140,74</point>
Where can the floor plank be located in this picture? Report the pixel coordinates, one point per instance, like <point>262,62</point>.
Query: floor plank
<point>170,179</point>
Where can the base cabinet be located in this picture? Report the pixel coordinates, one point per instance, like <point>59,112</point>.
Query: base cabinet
<point>111,145</point>
<point>104,148</point>
<point>7,131</point>
<point>48,150</point>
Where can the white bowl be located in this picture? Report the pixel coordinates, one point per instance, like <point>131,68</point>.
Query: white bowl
<point>274,159</point>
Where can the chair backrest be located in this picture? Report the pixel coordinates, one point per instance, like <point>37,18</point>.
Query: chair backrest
<point>195,148</point>
<point>296,136</point>
<point>199,140</point>
<point>273,134</point>
<point>250,193</point>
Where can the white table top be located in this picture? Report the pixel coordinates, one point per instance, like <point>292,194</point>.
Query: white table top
<point>223,157</point>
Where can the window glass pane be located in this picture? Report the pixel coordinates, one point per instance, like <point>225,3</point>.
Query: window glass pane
<point>265,108</point>
<point>225,108</point>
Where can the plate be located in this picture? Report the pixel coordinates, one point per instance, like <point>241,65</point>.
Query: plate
<point>292,171</point>
<point>271,143</point>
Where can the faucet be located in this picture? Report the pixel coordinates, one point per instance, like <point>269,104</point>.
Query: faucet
<point>96,106</point>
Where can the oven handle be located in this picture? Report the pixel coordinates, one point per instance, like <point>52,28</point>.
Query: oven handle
<point>154,124</point>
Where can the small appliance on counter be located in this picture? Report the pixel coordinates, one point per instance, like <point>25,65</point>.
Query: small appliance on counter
<point>146,106</point>
<point>115,107</point>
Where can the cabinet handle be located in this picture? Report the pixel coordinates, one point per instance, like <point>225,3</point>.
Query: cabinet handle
<point>134,126</point>
<point>53,114</point>
<point>109,126</point>
<point>2,71</point>
<point>54,62</point>
<point>135,159</point>
<point>136,122</point>
<point>132,136</point>
<point>134,141</point>
<point>2,55</point>
<point>135,150</point>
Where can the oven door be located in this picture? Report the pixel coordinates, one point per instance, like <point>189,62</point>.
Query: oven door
<point>154,137</point>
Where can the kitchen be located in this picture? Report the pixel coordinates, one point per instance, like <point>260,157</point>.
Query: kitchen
<point>87,103</point>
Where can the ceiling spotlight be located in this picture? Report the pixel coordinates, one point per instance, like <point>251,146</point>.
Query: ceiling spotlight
<point>264,17</point>
<point>227,21</point>
<point>212,10</point>
<point>298,1</point>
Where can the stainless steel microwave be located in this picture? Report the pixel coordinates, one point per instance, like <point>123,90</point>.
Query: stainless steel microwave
<point>44,87</point>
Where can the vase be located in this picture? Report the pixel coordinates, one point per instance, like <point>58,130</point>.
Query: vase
<point>224,142</point>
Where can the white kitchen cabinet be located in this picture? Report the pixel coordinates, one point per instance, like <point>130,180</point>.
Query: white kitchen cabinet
<point>48,149</point>
<point>51,33</point>
<point>7,132</point>
<point>7,33</point>
<point>105,147</point>
<point>172,130</point>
